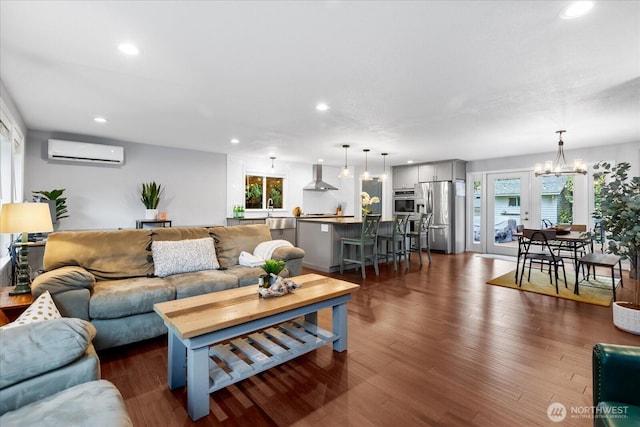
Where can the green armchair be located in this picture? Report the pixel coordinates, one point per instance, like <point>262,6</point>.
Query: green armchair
<point>616,385</point>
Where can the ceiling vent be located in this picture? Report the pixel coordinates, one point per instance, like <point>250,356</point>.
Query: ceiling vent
<point>85,152</point>
<point>318,184</point>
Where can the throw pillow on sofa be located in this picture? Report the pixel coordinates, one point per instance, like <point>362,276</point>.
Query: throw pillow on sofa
<point>43,308</point>
<point>183,256</point>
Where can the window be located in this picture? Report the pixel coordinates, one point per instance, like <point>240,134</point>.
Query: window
<point>477,205</point>
<point>556,200</point>
<point>11,168</point>
<point>598,183</point>
<point>260,189</point>
<point>514,202</point>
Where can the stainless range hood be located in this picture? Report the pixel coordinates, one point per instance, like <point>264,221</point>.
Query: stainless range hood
<point>318,184</point>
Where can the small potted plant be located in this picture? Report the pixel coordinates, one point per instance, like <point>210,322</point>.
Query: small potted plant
<point>272,268</point>
<point>150,197</point>
<point>619,210</point>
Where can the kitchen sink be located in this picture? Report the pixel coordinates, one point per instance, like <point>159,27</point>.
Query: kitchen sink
<point>280,223</point>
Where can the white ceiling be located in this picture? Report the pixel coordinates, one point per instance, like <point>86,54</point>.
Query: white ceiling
<point>426,80</point>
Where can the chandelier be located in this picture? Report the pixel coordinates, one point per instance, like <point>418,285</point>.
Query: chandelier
<point>560,166</point>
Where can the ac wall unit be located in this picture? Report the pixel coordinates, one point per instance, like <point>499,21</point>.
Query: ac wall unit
<point>85,152</point>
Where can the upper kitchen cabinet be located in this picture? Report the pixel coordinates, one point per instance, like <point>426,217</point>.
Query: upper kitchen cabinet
<point>405,176</point>
<point>442,171</point>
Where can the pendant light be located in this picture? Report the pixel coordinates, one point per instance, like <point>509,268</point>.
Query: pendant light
<point>560,166</point>
<point>273,168</point>
<point>383,177</point>
<point>345,172</point>
<point>366,176</point>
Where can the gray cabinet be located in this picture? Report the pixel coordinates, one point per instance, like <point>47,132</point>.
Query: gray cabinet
<point>404,176</point>
<point>442,171</point>
<point>244,221</point>
<point>288,234</point>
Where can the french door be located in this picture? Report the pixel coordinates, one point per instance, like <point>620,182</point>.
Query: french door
<point>508,206</point>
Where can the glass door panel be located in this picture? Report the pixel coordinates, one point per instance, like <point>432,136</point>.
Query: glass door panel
<point>507,208</point>
<point>556,200</point>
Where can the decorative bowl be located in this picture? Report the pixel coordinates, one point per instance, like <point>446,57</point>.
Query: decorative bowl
<point>563,227</point>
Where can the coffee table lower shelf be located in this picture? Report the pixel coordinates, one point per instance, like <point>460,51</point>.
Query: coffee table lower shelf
<point>265,350</point>
<point>198,362</point>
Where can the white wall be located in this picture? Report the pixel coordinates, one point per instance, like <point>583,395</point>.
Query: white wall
<point>296,176</point>
<point>108,197</point>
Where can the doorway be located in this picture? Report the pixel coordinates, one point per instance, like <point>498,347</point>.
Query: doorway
<point>508,206</point>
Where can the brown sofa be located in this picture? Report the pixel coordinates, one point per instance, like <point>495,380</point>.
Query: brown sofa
<point>107,277</point>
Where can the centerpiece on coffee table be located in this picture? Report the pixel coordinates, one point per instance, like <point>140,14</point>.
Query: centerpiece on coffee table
<point>272,285</point>
<point>272,268</point>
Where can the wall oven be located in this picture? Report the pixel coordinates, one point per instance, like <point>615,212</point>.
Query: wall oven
<point>404,201</point>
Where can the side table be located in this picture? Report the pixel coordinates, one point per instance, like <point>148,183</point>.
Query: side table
<point>161,222</point>
<point>13,305</point>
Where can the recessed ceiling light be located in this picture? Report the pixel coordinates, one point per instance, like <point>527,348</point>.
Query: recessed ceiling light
<point>128,49</point>
<point>99,119</point>
<point>322,107</point>
<point>576,9</point>
<point>409,161</point>
<point>320,160</point>
<point>235,141</point>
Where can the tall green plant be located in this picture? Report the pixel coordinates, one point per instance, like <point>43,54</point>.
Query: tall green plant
<point>55,195</point>
<point>150,194</point>
<point>619,210</point>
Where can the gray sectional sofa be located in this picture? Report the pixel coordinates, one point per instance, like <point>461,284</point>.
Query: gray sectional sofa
<point>107,277</point>
<point>50,376</point>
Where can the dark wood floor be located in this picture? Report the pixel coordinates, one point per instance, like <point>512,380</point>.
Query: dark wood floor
<point>432,346</point>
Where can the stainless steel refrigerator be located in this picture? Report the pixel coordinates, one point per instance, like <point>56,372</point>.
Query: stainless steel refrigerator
<point>445,199</point>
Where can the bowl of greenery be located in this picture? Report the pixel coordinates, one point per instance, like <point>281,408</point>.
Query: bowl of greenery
<point>272,268</point>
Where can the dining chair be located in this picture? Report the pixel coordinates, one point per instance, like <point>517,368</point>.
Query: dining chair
<point>368,237</point>
<point>575,249</point>
<point>537,249</point>
<point>420,232</point>
<point>398,241</point>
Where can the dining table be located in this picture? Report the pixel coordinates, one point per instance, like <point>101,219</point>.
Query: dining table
<point>564,240</point>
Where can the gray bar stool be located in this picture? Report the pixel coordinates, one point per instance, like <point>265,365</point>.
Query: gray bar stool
<point>420,231</point>
<point>368,237</point>
<point>398,240</point>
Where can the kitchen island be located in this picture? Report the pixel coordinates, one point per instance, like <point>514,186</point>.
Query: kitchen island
<point>320,239</point>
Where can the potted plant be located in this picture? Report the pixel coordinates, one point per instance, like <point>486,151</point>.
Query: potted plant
<point>272,268</point>
<point>150,197</point>
<point>54,197</point>
<point>619,213</point>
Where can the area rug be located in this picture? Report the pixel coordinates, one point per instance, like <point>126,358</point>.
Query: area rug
<point>594,291</point>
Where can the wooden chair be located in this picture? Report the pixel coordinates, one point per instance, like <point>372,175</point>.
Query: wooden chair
<point>420,231</point>
<point>537,249</point>
<point>368,237</point>
<point>398,240</point>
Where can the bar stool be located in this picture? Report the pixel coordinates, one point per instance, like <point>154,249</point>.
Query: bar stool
<point>398,240</point>
<point>368,237</point>
<point>421,229</point>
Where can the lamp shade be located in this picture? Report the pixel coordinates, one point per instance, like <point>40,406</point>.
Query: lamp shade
<point>25,218</point>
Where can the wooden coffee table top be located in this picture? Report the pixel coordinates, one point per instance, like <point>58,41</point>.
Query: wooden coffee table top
<point>201,314</point>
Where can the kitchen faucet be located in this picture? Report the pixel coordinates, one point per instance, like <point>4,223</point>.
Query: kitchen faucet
<point>270,207</point>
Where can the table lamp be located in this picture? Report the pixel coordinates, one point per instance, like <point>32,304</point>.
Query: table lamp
<point>24,218</point>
